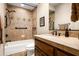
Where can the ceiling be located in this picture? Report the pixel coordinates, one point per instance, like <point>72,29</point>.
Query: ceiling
<point>32,6</point>
<point>54,4</point>
<point>29,6</point>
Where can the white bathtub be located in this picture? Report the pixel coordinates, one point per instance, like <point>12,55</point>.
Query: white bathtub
<point>18,46</point>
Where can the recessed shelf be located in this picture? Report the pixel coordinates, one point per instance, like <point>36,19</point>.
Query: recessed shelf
<point>20,27</point>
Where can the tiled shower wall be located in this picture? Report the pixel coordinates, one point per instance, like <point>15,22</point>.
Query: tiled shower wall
<point>21,18</point>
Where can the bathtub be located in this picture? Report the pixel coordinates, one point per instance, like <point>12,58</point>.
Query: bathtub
<point>18,46</point>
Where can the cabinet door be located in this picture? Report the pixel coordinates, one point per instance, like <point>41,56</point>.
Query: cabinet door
<point>59,52</point>
<point>44,47</point>
<point>38,52</point>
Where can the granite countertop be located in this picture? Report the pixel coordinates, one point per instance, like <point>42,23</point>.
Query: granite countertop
<point>71,42</point>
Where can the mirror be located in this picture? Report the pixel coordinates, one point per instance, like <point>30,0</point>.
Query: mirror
<point>51,20</point>
<point>62,16</point>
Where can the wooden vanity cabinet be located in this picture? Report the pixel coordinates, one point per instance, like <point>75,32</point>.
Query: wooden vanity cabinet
<point>38,52</point>
<point>44,49</point>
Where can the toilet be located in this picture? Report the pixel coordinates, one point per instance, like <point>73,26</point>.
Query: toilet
<point>30,49</point>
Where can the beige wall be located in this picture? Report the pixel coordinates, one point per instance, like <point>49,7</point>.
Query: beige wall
<point>22,18</point>
<point>34,22</point>
<point>63,15</point>
<point>43,10</point>
<point>2,14</point>
<point>51,7</point>
<point>20,14</point>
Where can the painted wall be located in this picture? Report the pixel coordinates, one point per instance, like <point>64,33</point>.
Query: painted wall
<point>43,10</point>
<point>51,7</point>
<point>2,14</point>
<point>34,22</point>
<point>63,15</point>
<point>21,18</point>
<point>31,20</point>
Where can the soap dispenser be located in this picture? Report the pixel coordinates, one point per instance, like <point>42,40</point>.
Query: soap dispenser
<point>66,32</point>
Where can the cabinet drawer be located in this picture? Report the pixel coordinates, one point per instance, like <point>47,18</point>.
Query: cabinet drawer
<point>44,47</point>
